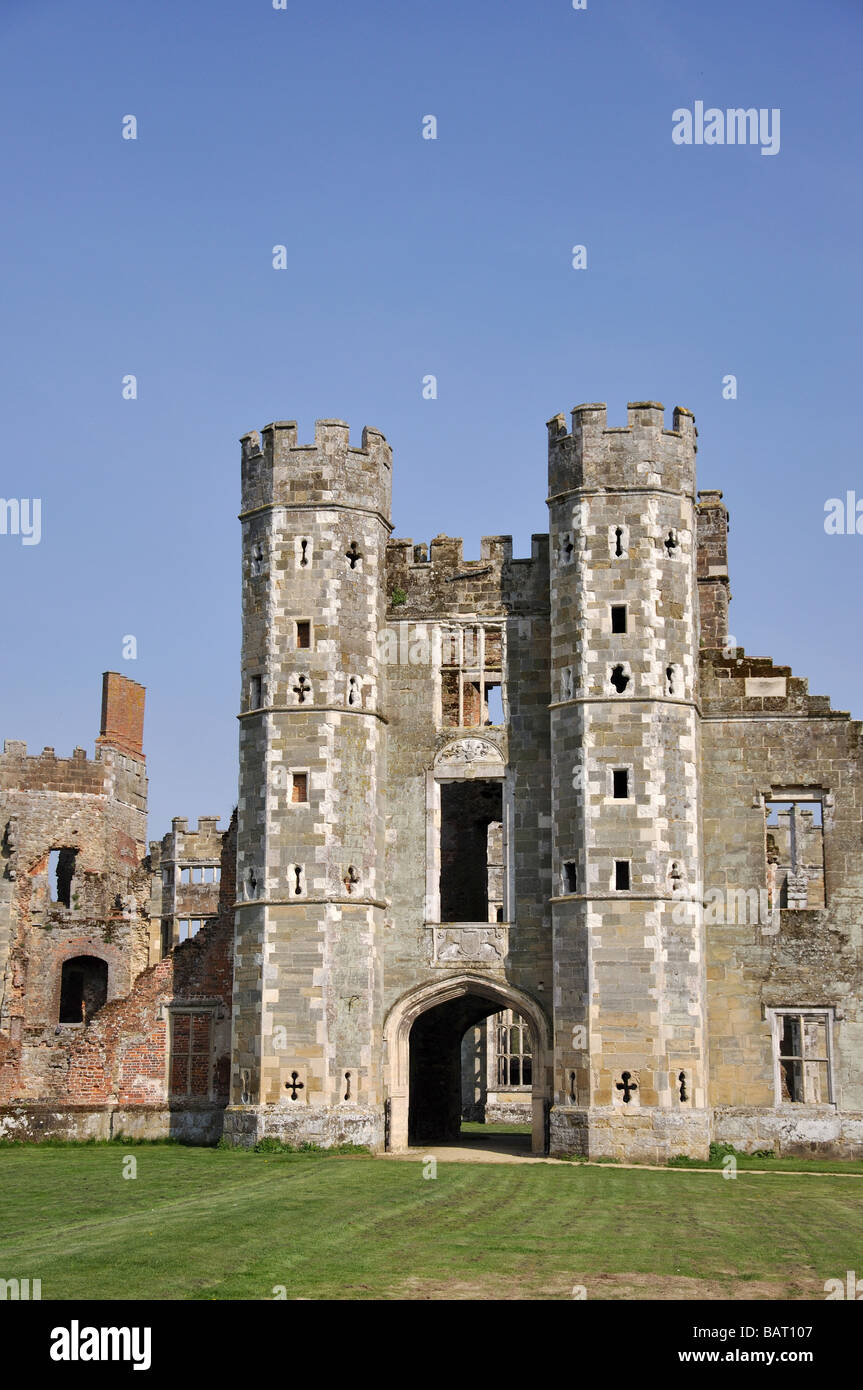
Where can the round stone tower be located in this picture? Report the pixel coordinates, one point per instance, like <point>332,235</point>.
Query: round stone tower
<point>307,984</point>
<point>629,993</point>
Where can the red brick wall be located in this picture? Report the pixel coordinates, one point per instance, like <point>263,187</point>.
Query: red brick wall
<point>122,714</point>
<point>123,1055</point>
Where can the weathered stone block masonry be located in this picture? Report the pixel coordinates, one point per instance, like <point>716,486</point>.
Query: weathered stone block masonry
<point>545,791</point>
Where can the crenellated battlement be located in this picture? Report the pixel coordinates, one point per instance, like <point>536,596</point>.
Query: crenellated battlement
<point>437,579</point>
<point>642,453</point>
<point>279,471</point>
<point>23,771</point>
<point>111,775</point>
<point>181,843</point>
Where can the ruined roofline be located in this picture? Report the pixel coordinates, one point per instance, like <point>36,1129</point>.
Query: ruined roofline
<point>448,551</point>
<point>732,666</point>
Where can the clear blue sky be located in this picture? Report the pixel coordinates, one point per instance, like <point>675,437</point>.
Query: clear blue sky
<point>303,127</point>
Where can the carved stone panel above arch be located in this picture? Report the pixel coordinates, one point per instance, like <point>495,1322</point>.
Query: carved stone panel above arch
<point>470,757</point>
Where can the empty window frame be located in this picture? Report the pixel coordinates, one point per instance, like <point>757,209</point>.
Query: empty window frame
<point>201,873</point>
<point>299,788</point>
<point>494,870</point>
<point>83,988</point>
<point>570,877</point>
<point>190,926</point>
<point>794,843</point>
<point>471,677</point>
<point>803,1056</point>
<point>620,783</point>
<point>61,871</point>
<point>621,875</point>
<point>256,690</point>
<point>494,703</point>
<point>304,634</point>
<point>471,851</point>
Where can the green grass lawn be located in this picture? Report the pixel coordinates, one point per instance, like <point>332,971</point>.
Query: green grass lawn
<point>229,1224</point>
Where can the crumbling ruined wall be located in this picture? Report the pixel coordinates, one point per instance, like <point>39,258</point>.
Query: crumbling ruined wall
<point>118,1074</point>
<point>92,813</point>
<point>150,1050</point>
<point>182,892</point>
<point>763,735</point>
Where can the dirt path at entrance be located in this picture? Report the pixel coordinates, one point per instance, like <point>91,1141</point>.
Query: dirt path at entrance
<point>515,1148</point>
<point>480,1148</point>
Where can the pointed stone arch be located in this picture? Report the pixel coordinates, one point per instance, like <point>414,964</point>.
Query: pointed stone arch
<point>499,993</point>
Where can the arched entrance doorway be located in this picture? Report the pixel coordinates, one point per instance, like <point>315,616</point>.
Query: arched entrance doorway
<point>422,1038</point>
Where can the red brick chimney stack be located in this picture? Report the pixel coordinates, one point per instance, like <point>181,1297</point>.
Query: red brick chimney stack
<point>122,714</point>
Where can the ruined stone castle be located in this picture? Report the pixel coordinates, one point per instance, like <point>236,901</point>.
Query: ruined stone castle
<point>513,836</point>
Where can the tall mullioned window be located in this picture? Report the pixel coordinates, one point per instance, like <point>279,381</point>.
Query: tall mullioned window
<point>471,676</point>
<point>513,1060</point>
<point>794,830</point>
<point>803,1055</point>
